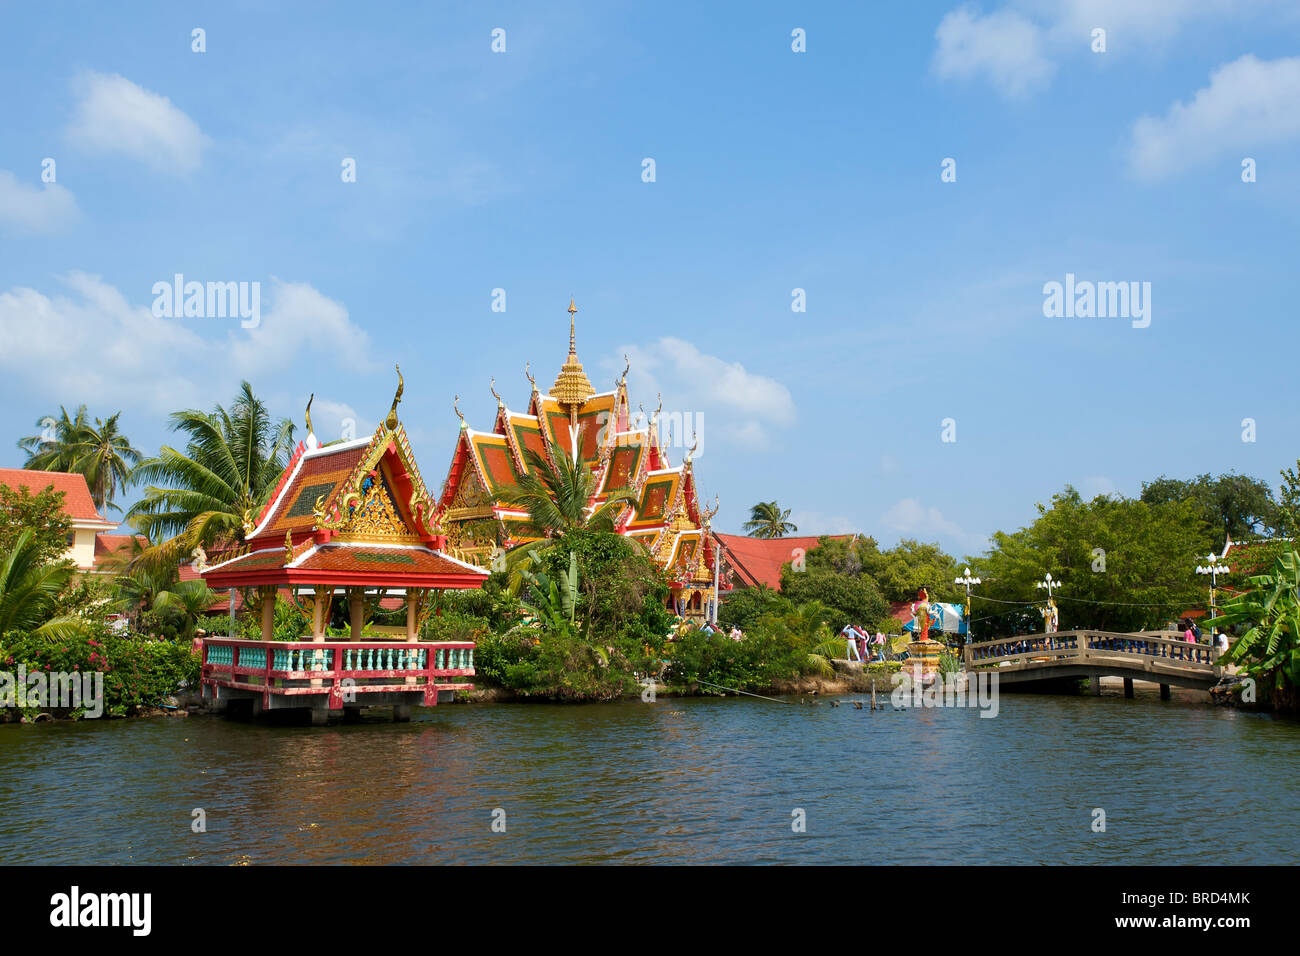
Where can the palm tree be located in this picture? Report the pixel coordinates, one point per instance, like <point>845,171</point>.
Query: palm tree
<point>100,452</point>
<point>767,520</point>
<point>30,589</point>
<point>556,498</point>
<point>228,470</point>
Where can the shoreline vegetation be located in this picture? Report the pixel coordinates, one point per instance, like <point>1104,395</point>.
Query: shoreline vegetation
<point>581,612</point>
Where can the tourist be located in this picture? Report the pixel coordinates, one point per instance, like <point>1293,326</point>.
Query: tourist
<point>862,645</point>
<point>851,652</point>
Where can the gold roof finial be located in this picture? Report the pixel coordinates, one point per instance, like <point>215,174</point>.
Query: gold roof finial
<point>500,402</point>
<point>310,430</point>
<point>528,371</point>
<point>455,404</point>
<point>710,512</point>
<point>391,421</point>
<point>572,387</point>
<point>696,444</point>
<point>627,365</point>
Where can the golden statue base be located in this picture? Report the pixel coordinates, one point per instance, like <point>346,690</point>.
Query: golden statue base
<point>923,656</point>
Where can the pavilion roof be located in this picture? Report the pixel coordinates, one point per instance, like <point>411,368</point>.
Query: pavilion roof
<point>351,513</point>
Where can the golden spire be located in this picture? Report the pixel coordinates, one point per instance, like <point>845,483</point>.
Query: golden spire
<point>572,387</point>
<point>528,370</point>
<point>500,401</point>
<point>455,404</point>
<point>391,420</point>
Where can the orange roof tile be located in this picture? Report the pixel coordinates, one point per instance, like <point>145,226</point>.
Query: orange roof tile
<point>758,560</point>
<point>77,503</point>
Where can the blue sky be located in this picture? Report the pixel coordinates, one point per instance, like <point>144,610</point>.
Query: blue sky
<point>774,170</point>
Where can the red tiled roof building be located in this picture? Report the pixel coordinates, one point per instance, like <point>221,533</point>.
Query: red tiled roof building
<point>354,516</point>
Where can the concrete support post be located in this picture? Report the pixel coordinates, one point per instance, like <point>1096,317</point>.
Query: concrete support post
<point>268,613</point>
<point>1128,687</point>
<point>1164,691</point>
<point>356,610</point>
<point>1095,687</point>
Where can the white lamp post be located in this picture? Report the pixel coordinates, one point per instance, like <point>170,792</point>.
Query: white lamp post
<point>1048,583</point>
<point>967,580</point>
<point>1213,569</point>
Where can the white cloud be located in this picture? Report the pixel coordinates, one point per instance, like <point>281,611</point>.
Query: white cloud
<point>337,420</point>
<point>815,522</point>
<point>1016,47</point>
<point>91,344</point>
<point>1095,485</point>
<point>1003,46</point>
<point>300,319</point>
<point>1248,103</point>
<point>1142,23</point>
<point>114,115</point>
<point>909,517</point>
<point>29,208</point>
<point>738,405</point>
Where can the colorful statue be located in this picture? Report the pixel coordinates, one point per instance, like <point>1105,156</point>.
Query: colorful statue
<point>1051,616</point>
<point>923,616</point>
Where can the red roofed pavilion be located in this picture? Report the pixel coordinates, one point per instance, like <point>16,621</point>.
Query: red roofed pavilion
<point>353,516</point>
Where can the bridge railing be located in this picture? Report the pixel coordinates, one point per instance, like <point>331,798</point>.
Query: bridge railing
<point>1168,647</point>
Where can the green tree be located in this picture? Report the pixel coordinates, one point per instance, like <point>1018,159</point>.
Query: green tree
<point>745,606</point>
<point>1126,564</point>
<point>98,451</point>
<point>42,514</point>
<point>29,591</point>
<point>767,520</point>
<point>910,565</point>
<point>204,495</point>
<point>845,598</point>
<point>1230,505</point>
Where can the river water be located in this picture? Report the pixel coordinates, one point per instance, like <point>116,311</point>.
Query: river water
<point>678,780</point>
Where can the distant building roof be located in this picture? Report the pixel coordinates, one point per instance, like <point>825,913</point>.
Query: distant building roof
<point>77,503</point>
<point>758,560</point>
<point>109,545</point>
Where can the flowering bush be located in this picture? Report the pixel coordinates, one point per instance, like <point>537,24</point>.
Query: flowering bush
<point>138,672</point>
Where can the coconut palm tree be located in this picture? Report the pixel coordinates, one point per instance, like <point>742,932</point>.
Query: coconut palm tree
<point>30,589</point>
<point>767,520</point>
<point>556,498</point>
<point>203,496</point>
<point>98,451</point>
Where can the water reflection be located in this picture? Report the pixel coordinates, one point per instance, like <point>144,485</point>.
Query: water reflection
<point>678,780</point>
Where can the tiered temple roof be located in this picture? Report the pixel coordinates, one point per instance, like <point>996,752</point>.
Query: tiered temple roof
<point>623,453</point>
<point>354,513</point>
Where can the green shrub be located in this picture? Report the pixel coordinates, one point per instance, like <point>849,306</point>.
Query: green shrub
<point>138,671</point>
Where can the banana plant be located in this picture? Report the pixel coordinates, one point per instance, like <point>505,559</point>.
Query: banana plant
<point>555,602</point>
<point>1270,649</point>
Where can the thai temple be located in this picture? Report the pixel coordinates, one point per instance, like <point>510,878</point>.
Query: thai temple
<point>624,453</point>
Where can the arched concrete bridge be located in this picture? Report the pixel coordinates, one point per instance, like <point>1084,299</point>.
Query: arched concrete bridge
<point>1162,657</point>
